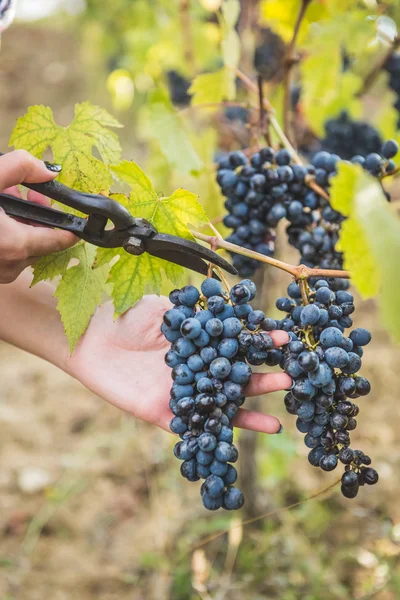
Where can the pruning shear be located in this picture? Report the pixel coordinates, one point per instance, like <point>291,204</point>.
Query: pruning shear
<point>134,235</point>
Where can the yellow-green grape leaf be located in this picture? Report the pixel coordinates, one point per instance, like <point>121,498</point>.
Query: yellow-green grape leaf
<point>231,49</point>
<point>386,116</point>
<point>370,239</point>
<point>133,276</point>
<point>381,225</point>
<point>35,131</point>
<point>230,10</point>
<point>343,188</point>
<point>212,87</point>
<point>95,122</point>
<point>282,15</point>
<point>230,44</point>
<point>72,146</point>
<point>53,265</point>
<point>131,174</point>
<point>326,91</point>
<point>353,241</point>
<point>168,128</point>
<point>79,293</point>
<point>358,258</point>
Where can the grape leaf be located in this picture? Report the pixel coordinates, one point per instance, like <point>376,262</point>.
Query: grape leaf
<point>326,90</point>
<point>72,145</point>
<point>168,128</point>
<point>133,276</point>
<point>212,87</point>
<point>370,239</point>
<point>230,10</point>
<point>80,292</point>
<point>353,242</point>
<point>230,44</point>
<point>281,16</point>
<point>53,265</point>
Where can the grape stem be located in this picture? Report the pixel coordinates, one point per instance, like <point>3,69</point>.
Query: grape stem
<point>304,291</point>
<point>268,514</point>
<point>310,182</point>
<point>186,28</point>
<point>377,68</point>
<point>299,273</point>
<point>290,61</point>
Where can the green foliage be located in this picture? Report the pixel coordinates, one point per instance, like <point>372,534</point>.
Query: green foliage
<point>212,87</point>
<point>281,16</point>
<point>166,126</point>
<point>72,146</point>
<point>80,289</point>
<point>370,239</point>
<point>326,89</point>
<point>132,276</point>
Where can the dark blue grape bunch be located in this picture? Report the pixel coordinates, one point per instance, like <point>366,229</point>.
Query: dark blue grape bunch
<point>214,337</point>
<point>268,187</point>
<point>392,66</point>
<point>178,87</point>
<point>324,366</point>
<point>347,137</point>
<point>260,192</point>
<point>317,243</point>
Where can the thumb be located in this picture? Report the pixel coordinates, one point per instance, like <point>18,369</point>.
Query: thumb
<point>19,166</point>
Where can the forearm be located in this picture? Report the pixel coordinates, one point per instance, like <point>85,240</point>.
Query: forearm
<point>30,321</point>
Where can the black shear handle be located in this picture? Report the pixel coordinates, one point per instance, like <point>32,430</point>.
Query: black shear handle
<point>101,207</point>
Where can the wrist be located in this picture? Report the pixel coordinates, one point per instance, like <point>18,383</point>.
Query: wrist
<point>30,321</point>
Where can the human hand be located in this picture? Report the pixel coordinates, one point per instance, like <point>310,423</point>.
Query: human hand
<point>20,243</point>
<point>123,362</point>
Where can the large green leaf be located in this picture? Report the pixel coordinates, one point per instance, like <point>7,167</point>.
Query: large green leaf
<point>370,239</point>
<point>51,266</point>
<point>133,276</point>
<point>212,87</point>
<point>80,292</point>
<point>72,146</point>
<point>168,128</point>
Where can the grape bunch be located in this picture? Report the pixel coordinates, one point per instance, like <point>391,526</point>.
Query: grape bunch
<point>269,187</point>
<point>392,66</point>
<point>178,87</point>
<point>214,337</point>
<point>324,366</point>
<point>269,55</point>
<point>259,193</point>
<point>349,138</point>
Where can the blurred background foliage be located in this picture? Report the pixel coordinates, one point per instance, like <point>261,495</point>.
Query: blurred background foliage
<point>93,505</point>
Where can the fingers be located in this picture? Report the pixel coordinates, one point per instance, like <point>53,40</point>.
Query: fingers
<point>20,242</point>
<point>41,241</point>
<point>38,198</point>
<point>19,166</point>
<point>264,383</point>
<point>255,421</point>
<point>13,191</point>
<point>280,337</point>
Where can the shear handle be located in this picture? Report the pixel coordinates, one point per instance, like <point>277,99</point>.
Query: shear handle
<point>89,204</point>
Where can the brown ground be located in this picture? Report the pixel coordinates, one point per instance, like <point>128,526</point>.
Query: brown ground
<point>116,521</point>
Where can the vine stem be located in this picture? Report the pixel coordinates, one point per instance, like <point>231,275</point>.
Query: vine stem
<point>377,68</point>
<point>304,291</point>
<point>280,133</point>
<point>215,536</point>
<point>186,27</point>
<point>300,272</point>
<point>216,105</point>
<point>290,61</point>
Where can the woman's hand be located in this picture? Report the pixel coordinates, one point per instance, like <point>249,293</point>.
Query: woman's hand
<point>122,361</point>
<point>21,244</point>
